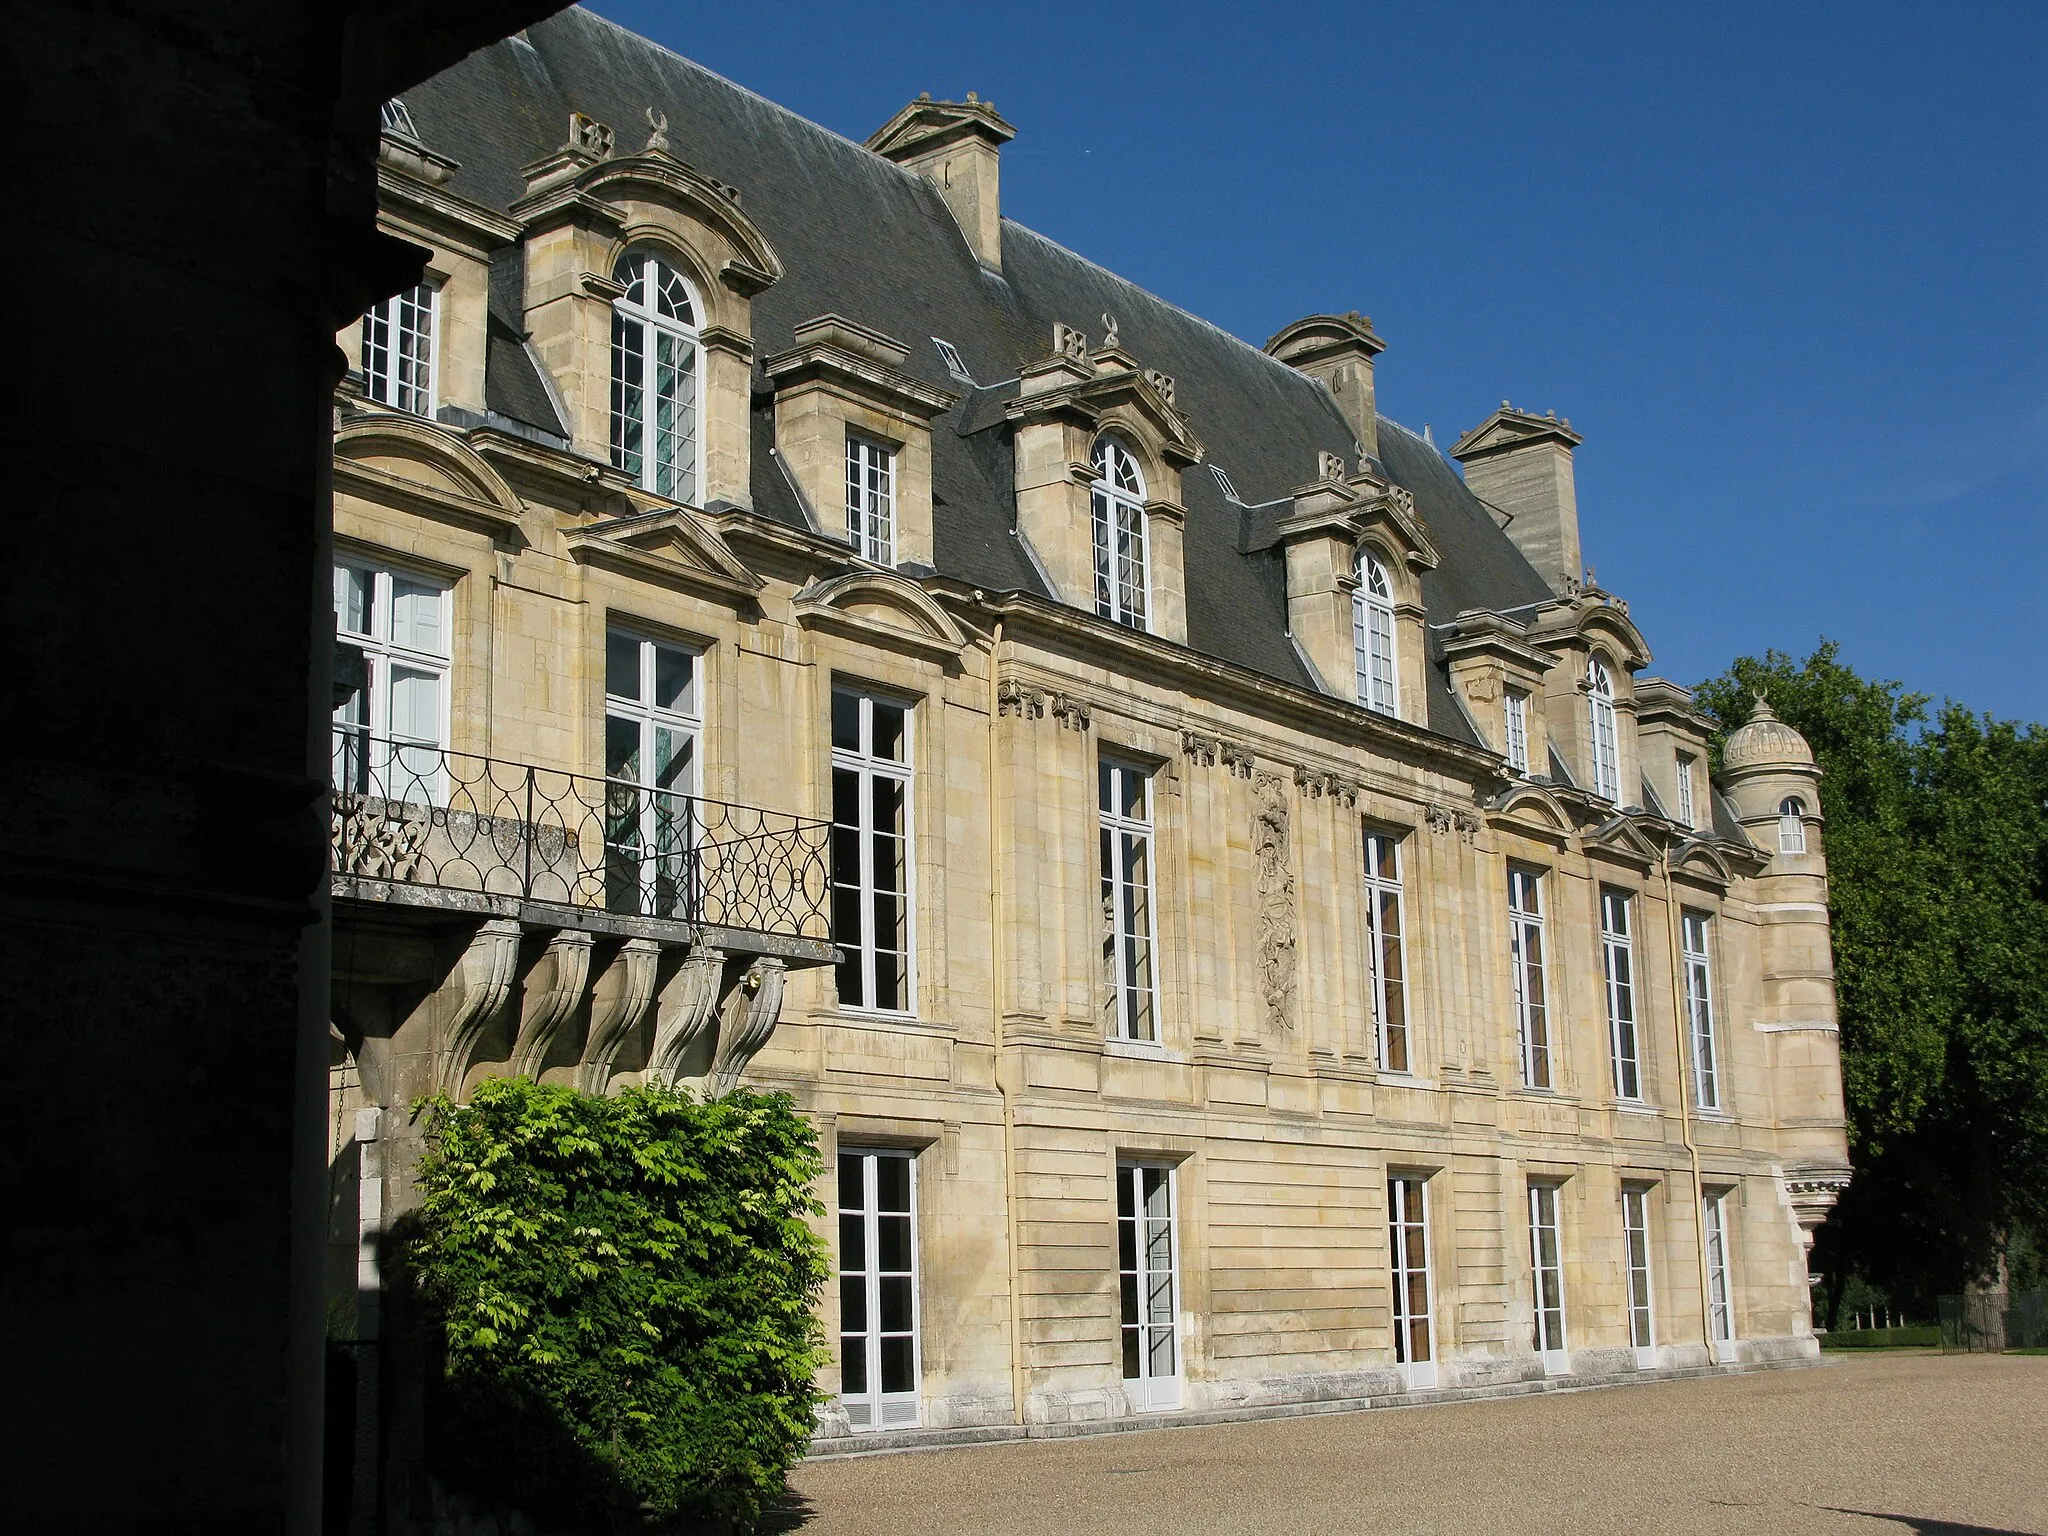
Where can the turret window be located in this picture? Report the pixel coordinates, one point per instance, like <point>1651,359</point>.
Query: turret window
<point>655,368</point>
<point>1372,637</point>
<point>1791,825</point>
<point>1606,754</point>
<point>1119,527</point>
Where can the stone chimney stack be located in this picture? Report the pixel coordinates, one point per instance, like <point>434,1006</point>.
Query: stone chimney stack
<point>1338,349</point>
<point>1520,465</point>
<point>955,145</point>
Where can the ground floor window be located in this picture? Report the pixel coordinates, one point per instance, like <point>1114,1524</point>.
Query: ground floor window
<point>1635,1230</point>
<point>1408,1246</point>
<point>1547,1265</point>
<point>1720,1301</point>
<point>1147,1260</point>
<point>878,1344</point>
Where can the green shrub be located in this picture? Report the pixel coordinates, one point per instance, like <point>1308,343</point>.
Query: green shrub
<point>623,1290</point>
<point>1927,1336</point>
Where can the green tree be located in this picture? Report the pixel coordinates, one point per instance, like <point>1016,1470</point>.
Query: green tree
<point>1937,844</point>
<point>623,1290</point>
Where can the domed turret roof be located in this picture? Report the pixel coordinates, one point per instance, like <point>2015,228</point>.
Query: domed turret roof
<point>1765,742</point>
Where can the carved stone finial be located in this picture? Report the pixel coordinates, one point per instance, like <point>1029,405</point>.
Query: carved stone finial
<point>1068,342</point>
<point>972,96</point>
<point>1329,466</point>
<point>657,140</point>
<point>1163,382</point>
<point>1592,577</point>
<point>1109,329</point>
<point>590,136</point>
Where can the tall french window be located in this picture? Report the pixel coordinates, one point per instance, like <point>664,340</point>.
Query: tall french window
<point>1618,960</point>
<point>1517,705</point>
<point>1147,1284</point>
<point>391,675</point>
<point>1118,519</point>
<point>871,499</point>
<point>650,763</point>
<point>1389,955</point>
<point>1408,1253</point>
<point>871,852</point>
<point>1635,1234</point>
<point>1697,954</point>
<point>878,1333</point>
<point>1791,825</point>
<point>1606,752</point>
<point>1720,1295</point>
<point>655,369</point>
<point>1131,992</point>
<point>1525,955</point>
<point>1546,1264</point>
<point>1372,637</point>
<point>398,350</point>
<point>1688,813</point>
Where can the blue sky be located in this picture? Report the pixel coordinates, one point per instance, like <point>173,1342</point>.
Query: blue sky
<point>1785,266</point>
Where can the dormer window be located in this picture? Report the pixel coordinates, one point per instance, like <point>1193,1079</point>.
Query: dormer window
<point>1118,495</point>
<point>398,351</point>
<point>1687,814</point>
<point>655,368</point>
<point>1792,825</point>
<point>1517,713</point>
<point>871,499</point>
<point>1606,754</point>
<point>1372,637</point>
<point>395,117</point>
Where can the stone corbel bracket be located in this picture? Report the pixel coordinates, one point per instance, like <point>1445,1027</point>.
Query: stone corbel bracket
<point>486,972</point>
<point>568,960</point>
<point>624,994</point>
<point>1014,698</point>
<point>749,1016</point>
<point>690,1005</point>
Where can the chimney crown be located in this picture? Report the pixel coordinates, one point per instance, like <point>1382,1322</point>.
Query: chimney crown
<point>956,146</point>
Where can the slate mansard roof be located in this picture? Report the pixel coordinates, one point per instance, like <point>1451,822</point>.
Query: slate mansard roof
<point>862,237</point>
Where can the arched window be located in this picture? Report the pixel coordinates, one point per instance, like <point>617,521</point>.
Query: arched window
<point>1606,754</point>
<point>1791,825</point>
<point>655,368</point>
<point>1372,637</point>
<point>1119,519</point>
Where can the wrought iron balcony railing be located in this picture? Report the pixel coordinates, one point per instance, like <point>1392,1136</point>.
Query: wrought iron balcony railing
<point>418,814</point>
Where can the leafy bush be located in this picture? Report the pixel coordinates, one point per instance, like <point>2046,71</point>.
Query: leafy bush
<point>623,1289</point>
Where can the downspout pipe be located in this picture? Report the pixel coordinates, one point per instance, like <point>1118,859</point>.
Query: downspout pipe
<point>996,1002</point>
<point>1683,1063</point>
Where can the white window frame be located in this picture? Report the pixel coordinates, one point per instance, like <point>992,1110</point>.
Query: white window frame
<point>1529,963</point>
<point>1515,705</point>
<point>1546,1278</point>
<point>653,826</point>
<point>401,336</point>
<point>956,365</point>
<point>872,1408</point>
<point>383,761</point>
<point>679,475</point>
<point>1636,1265</point>
<point>1605,740</point>
<point>1720,1296</point>
<point>1150,1391</point>
<point>1134,1004</point>
<point>868,768</point>
<point>1791,825</point>
<point>1696,942</point>
<point>1390,994</point>
<point>1407,1266</point>
<point>1688,809</point>
<point>871,498</point>
<point>1378,679</point>
<point>1617,965</point>
<point>1121,537</point>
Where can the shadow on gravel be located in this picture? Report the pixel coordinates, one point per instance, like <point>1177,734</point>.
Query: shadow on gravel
<point>792,1512</point>
<point>1920,1525</point>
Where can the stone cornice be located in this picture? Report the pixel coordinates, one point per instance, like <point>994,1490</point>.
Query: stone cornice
<point>434,205</point>
<point>1320,338</point>
<point>864,377</point>
<point>1508,429</point>
<point>926,125</point>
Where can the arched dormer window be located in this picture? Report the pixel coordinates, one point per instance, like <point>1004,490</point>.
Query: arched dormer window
<point>656,363</point>
<point>1119,520</point>
<point>1606,751</point>
<point>1791,825</point>
<point>1372,637</point>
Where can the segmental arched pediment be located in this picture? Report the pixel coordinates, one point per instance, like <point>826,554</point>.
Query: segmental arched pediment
<point>884,609</point>
<point>1530,808</point>
<point>658,178</point>
<point>1700,860</point>
<point>405,461</point>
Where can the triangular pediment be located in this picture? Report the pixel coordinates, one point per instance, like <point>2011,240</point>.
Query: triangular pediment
<point>885,609</point>
<point>673,547</point>
<point>1509,428</point>
<point>1621,838</point>
<point>1133,391</point>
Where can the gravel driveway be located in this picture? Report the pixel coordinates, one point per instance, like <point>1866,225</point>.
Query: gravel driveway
<point>1942,1445</point>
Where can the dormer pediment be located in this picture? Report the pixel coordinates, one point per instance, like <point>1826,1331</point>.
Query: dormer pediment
<point>1619,837</point>
<point>1136,398</point>
<point>1509,428</point>
<point>1587,615</point>
<point>1533,810</point>
<point>406,461</point>
<point>1699,860</point>
<point>671,548</point>
<point>884,610</point>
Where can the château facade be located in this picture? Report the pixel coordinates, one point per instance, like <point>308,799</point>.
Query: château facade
<point>1210,863</point>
